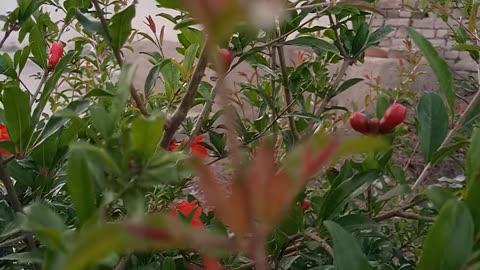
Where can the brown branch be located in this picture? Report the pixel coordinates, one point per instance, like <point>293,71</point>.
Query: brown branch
<point>122,263</point>
<point>287,93</point>
<point>118,57</point>
<point>322,243</point>
<point>13,199</point>
<point>394,212</point>
<point>201,117</point>
<point>181,113</point>
<point>7,34</point>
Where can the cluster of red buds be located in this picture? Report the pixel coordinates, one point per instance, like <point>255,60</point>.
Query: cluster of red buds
<point>394,116</point>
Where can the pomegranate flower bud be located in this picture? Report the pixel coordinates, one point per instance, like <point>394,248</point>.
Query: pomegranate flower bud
<point>373,126</point>
<point>359,122</point>
<point>305,204</point>
<point>56,52</point>
<point>394,116</point>
<point>226,56</point>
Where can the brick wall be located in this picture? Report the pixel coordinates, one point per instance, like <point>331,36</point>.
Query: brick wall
<point>431,26</point>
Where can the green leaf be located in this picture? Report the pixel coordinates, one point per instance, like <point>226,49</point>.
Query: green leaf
<point>151,79</point>
<point>473,178</point>
<point>51,84</point>
<point>318,45</point>
<point>89,23</point>
<point>360,39</point>
<point>438,65</point>
<point>394,192</point>
<point>439,196</point>
<point>120,26</point>
<point>189,58</point>
<point>467,47</point>
<point>86,164</point>
<point>174,4</point>
<point>17,116</point>
<point>99,92</point>
<point>146,134</point>
<point>27,8</point>
<point>449,241</point>
<point>348,254</point>
<point>47,225</point>
<point>6,66</point>
<point>446,151</point>
<point>360,4</point>
<point>119,101</point>
<point>433,124</point>
<point>378,34</point>
<point>38,46</point>
<point>347,84</point>
<point>55,123</point>
<point>381,105</point>
<point>101,120</point>
<point>335,199</point>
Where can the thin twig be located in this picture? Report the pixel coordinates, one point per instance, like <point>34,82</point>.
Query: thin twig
<point>7,34</point>
<point>394,212</point>
<point>13,199</point>
<point>311,6</point>
<point>322,243</point>
<point>122,263</point>
<point>414,216</point>
<point>46,71</point>
<point>181,113</point>
<point>206,110</point>
<point>118,57</point>
<point>287,93</point>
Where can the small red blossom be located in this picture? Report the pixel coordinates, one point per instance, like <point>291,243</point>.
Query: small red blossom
<point>4,138</point>
<point>186,208</point>
<point>173,145</point>
<point>195,149</point>
<point>305,204</point>
<point>56,52</point>
<point>211,263</point>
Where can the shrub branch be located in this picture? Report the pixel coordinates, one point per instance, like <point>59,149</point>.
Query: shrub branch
<point>118,56</point>
<point>181,113</point>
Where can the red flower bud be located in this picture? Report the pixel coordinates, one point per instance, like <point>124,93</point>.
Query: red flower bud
<point>226,56</point>
<point>56,52</point>
<point>373,126</point>
<point>305,204</point>
<point>394,116</point>
<point>359,122</point>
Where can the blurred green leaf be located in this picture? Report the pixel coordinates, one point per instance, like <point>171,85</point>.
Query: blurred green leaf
<point>151,79</point>
<point>102,120</point>
<point>189,58</point>
<point>472,174</point>
<point>378,34</point>
<point>27,8</point>
<point>438,65</point>
<point>6,66</point>
<point>439,196</point>
<point>347,84</point>
<point>51,84</point>
<point>38,46</point>
<point>443,152</point>
<point>318,45</point>
<point>122,95</point>
<point>449,241</point>
<point>120,26</point>
<point>56,122</point>
<point>146,133</point>
<point>17,116</point>
<point>336,198</point>
<point>433,124</point>
<point>89,23</point>
<point>348,254</point>
<point>381,105</point>
<point>47,225</point>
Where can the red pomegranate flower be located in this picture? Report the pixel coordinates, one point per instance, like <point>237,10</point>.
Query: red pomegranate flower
<point>186,208</point>
<point>4,137</point>
<point>56,52</point>
<point>196,149</point>
<point>226,57</point>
